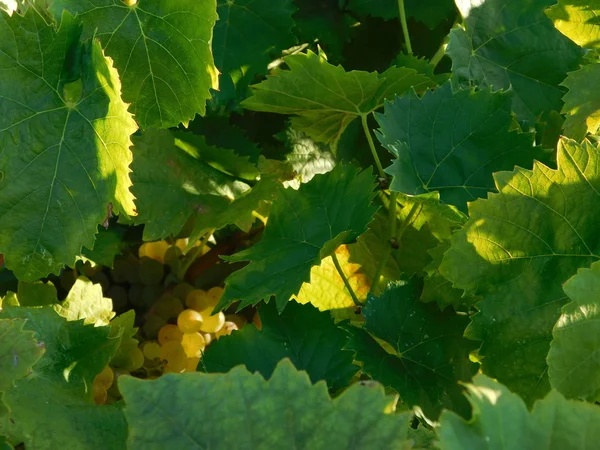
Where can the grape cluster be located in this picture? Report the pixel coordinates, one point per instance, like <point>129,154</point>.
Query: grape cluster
<point>175,319</point>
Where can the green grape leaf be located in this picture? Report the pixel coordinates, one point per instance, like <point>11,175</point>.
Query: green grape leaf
<point>123,326</point>
<point>501,420</point>
<point>421,65</point>
<point>36,294</point>
<point>306,336</point>
<point>86,302</point>
<point>430,355</point>
<point>172,183</point>
<point>578,20</point>
<point>324,98</point>
<point>424,12</point>
<point>438,289</point>
<point>452,142</point>
<point>204,408</point>
<point>304,227</point>
<point>245,35</point>
<point>573,364</point>
<point>56,185</point>
<point>108,244</point>
<point>161,50</point>
<point>307,157</point>
<point>582,102</point>
<point>422,221</point>
<point>512,43</point>
<point>53,408</point>
<point>327,291</point>
<point>516,250</point>
<point>19,351</point>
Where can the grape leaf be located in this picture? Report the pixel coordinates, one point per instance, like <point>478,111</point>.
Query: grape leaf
<point>306,336</point>
<point>307,157</point>
<point>161,50</point>
<point>430,354</point>
<point>86,302</point>
<point>582,102</point>
<point>452,142</point>
<point>574,368</point>
<point>304,227</point>
<point>19,351</point>
<point>578,20</point>
<point>512,43</point>
<point>123,326</point>
<point>326,289</point>
<point>107,246</point>
<point>36,294</point>
<point>172,182</point>
<point>200,410</point>
<point>501,420</point>
<point>325,98</point>
<point>64,157</point>
<point>241,51</point>
<point>52,408</point>
<point>516,250</point>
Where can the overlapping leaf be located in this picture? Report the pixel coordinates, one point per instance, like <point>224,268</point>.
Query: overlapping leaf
<point>501,420</point>
<point>86,302</point>
<point>52,408</point>
<point>573,361</point>
<point>578,20</point>
<point>65,144</point>
<point>512,43</point>
<point>107,245</point>
<point>175,181</point>
<point>18,351</point>
<point>430,354</point>
<point>245,34</point>
<point>161,50</point>
<point>306,336</point>
<point>516,250</point>
<point>304,227</point>
<point>452,142</point>
<point>196,410</point>
<point>324,98</point>
<point>582,102</point>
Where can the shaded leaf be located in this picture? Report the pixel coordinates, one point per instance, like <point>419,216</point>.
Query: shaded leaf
<point>306,336</point>
<point>206,407</point>
<point>18,352</point>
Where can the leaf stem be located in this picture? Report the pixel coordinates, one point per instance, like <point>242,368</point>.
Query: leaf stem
<point>404,26</point>
<point>193,254</point>
<point>439,54</point>
<point>365,126</point>
<point>337,265</point>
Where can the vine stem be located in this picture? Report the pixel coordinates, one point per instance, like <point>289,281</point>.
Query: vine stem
<point>337,265</point>
<point>394,234</point>
<point>194,254</point>
<point>365,126</point>
<point>437,57</point>
<point>404,26</point>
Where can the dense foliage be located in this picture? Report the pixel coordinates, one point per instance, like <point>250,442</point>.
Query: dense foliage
<point>264,224</point>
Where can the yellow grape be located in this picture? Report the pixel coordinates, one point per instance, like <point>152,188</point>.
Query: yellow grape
<point>100,394</point>
<point>105,378</point>
<point>169,333</point>
<point>152,326</point>
<point>207,338</point>
<point>192,364</point>
<point>199,300</point>
<point>151,350</point>
<point>173,354</point>
<point>181,244</point>
<point>189,321</point>
<point>239,320</point>
<point>193,344</point>
<point>226,329</point>
<point>154,250</point>
<point>256,321</point>
<point>113,390</point>
<point>212,324</point>
<point>136,360</point>
<point>167,306</point>
<point>182,290</point>
<point>216,293</point>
